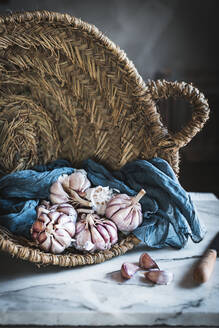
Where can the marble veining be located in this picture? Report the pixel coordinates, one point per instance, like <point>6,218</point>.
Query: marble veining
<point>97,295</point>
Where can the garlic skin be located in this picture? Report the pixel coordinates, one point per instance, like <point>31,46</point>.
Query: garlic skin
<point>94,233</point>
<point>79,182</point>
<point>146,262</point>
<point>99,197</point>
<point>125,211</point>
<point>128,270</point>
<point>54,227</point>
<point>57,192</point>
<point>69,188</point>
<point>159,277</point>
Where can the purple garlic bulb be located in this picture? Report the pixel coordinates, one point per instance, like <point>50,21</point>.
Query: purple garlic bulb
<point>94,233</point>
<point>70,187</point>
<point>54,227</point>
<point>125,211</point>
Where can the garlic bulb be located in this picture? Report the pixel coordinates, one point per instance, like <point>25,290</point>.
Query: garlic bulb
<point>54,227</point>
<point>99,197</point>
<point>94,233</point>
<point>125,211</point>
<point>69,188</point>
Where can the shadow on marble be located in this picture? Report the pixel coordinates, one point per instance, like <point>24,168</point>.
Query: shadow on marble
<point>187,280</point>
<point>11,268</point>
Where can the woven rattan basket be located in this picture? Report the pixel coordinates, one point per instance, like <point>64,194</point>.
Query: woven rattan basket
<point>67,91</point>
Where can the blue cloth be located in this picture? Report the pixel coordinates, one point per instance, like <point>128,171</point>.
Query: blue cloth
<point>21,192</point>
<point>169,214</point>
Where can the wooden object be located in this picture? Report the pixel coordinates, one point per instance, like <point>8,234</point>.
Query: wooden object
<point>205,267</point>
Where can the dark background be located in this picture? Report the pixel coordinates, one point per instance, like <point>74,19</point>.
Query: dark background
<point>171,39</point>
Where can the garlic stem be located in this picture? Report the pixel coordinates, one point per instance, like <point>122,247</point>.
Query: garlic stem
<point>136,198</point>
<point>89,219</point>
<point>85,210</point>
<point>76,197</point>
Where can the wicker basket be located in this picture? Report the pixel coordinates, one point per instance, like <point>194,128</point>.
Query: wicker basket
<point>68,92</point>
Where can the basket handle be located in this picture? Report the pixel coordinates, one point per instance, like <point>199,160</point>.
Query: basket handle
<point>162,89</point>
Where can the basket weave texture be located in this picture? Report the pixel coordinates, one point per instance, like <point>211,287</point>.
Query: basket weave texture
<point>68,92</point>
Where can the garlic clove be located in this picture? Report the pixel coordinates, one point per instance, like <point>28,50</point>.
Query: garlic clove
<point>112,231</point>
<point>105,235</point>
<point>146,262</point>
<point>37,226</point>
<point>83,240</point>
<point>110,223</point>
<point>56,247</point>
<point>79,226</point>
<point>46,244</point>
<point>68,210</point>
<point>65,222</point>
<point>53,215</point>
<point>128,270</point>
<point>63,237</point>
<point>159,277</point>
<point>57,193</point>
<point>70,228</point>
<point>112,209</point>
<point>42,237</point>
<point>97,239</point>
<point>78,181</point>
<point>44,218</point>
<point>41,210</point>
<point>58,199</point>
<point>62,219</point>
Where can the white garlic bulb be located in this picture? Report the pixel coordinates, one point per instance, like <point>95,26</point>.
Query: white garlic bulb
<point>54,227</point>
<point>67,187</point>
<point>125,211</point>
<point>94,233</point>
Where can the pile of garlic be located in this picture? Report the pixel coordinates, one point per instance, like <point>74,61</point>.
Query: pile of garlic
<point>85,217</point>
<point>152,272</point>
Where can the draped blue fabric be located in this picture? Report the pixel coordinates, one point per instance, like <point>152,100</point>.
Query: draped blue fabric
<point>169,213</point>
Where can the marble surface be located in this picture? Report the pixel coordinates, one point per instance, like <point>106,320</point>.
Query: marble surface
<point>97,295</point>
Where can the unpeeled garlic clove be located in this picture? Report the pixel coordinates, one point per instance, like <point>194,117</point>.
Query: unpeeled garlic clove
<point>128,270</point>
<point>57,193</point>
<point>146,262</point>
<point>78,181</point>
<point>159,277</point>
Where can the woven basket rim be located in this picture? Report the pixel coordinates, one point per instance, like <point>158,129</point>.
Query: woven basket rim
<point>10,243</point>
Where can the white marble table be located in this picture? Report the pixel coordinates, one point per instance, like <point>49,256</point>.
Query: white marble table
<point>96,295</point>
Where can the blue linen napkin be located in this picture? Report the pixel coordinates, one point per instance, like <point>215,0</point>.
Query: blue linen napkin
<point>169,214</point>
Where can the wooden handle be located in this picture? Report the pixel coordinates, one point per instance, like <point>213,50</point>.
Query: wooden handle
<point>205,266</point>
